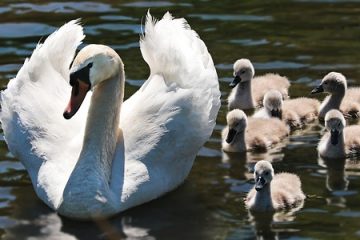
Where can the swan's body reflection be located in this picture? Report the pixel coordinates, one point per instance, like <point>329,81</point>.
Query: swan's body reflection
<point>155,220</point>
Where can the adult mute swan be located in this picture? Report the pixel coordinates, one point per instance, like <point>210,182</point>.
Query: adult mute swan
<point>102,160</point>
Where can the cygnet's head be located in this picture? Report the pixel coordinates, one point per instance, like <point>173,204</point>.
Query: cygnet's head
<point>92,65</point>
<point>263,174</point>
<point>273,103</point>
<point>243,71</point>
<point>335,123</point>
<point>237,122</point>
<point>333,82</point>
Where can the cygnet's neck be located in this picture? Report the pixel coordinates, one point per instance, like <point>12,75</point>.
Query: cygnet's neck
<point>333,102</point>
<point>244,94</point>
<point>238,143</point>
<point>337,150</point>
<point>263,199</point>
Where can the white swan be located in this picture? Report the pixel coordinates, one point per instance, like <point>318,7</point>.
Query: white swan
<point>87,166</point>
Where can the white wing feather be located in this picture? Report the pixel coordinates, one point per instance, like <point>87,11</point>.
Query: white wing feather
<point>173,114</point>
<point>32,107</point>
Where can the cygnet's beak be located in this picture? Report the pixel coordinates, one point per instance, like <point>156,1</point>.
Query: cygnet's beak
<point>260,183</point>
<point>231,135</point>
<point>318,89</point>
<point>235,82</point>
<point>78,94</point>
<point>334,138</point>
<point>276,113</point>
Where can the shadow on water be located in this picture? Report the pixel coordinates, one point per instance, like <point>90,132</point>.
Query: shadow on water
<point>158,219</point>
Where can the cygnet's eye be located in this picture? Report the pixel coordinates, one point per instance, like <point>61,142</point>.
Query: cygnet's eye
<point>266,173</point>
<point>325,83</point>
<point>242,71</point>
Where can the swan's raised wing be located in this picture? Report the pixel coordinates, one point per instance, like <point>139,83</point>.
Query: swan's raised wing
<point>34,101</point>
<point>173,114</point>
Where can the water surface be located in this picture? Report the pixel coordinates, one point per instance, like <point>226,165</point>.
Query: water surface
<point>303,40</point>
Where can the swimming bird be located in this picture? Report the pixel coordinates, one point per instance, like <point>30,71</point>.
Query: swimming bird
<point>339,141</point>
<point>347,100</point>
<point>295,112</point>
<point>248,91</point>
<point>273,192</point>
<point>102,156</point>
<point>242,133</point>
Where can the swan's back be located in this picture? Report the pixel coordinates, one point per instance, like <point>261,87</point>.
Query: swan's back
<point>173,114</point>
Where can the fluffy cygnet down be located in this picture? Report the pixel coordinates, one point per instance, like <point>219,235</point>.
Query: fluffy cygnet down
<point>294,112</point>
<point>242,133</point>
<point>339,141</point>
<point>347,100</point>
<point>248,91</point>
<point>274,192</point>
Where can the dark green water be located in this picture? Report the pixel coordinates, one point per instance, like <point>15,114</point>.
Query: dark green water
<point>300,39</point>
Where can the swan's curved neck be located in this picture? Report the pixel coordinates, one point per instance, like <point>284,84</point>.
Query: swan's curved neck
<point>102,127</point>
<point>89,182</point>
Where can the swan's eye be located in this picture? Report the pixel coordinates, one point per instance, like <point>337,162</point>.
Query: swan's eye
<point>325,83</point>
<point>89,65</point>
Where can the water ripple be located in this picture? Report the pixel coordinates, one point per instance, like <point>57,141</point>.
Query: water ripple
<point>62,7</point>
<point>95,30</point>
<point>267,65</point>
<point>249,42</point>
<point>229,17</point>
<point>150,4</point>
<point>20,30</point>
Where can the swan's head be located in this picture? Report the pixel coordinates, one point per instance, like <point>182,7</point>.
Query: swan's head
<point>333,82</point>
<point>263,174</point>
<point>92,65</point>
<point>237,122</point>
<point>273,103</point>
<point>335,123</point>
<point>243,71</point>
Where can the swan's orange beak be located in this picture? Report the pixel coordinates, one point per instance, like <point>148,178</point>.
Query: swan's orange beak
<point>78,94</point>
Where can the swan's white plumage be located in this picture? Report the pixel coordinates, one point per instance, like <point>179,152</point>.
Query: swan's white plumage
<point>163,124</point>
